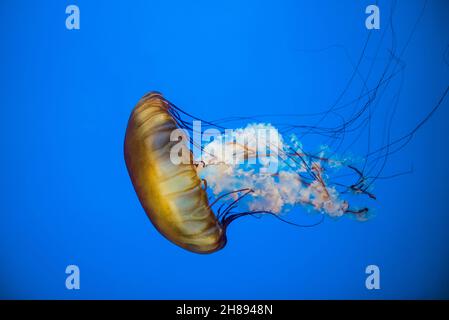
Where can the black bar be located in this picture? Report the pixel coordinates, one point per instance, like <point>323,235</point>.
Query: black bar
<point>225,309</point>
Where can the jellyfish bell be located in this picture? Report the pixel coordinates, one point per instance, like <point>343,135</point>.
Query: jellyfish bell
<point>171,194</point>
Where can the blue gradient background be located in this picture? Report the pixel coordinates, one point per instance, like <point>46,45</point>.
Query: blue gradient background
<point>65,195</point>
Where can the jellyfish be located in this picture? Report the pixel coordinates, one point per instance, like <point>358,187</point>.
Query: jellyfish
<point>173,192</point>
<point>237,168</point>
<point>192,189</point>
